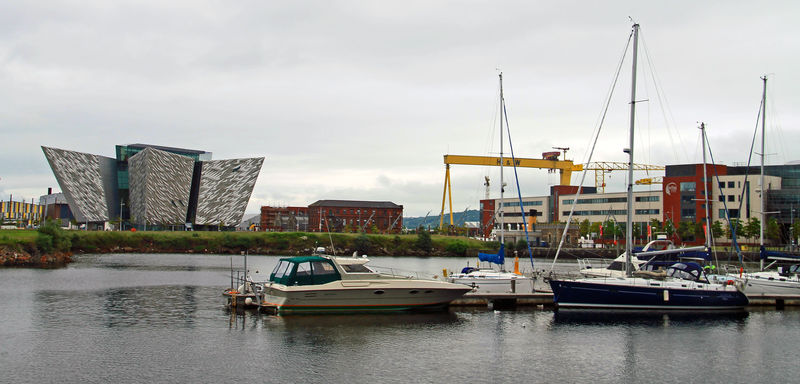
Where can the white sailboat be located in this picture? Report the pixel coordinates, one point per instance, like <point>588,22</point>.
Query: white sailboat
<point>780,281</point>
<point>683,286</point>
<point>489,279</point>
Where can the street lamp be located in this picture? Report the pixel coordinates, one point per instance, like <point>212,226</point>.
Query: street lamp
<point>120,213</point>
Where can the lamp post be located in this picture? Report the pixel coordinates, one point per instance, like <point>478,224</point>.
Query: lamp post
<point>120,213</point>
<point>791,227</point>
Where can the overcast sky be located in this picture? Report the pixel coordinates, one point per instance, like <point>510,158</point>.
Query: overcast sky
<point>361,99</point>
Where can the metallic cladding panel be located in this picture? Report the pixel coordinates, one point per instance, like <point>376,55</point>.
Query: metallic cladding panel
<point>225,189</point>
<point>159,187</point>
<point>88,182</point>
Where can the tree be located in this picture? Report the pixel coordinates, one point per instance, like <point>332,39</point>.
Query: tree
<point>716,229</point>
<point>585,226</point>
<point>735,224</point>
<point>424,241</point>
<point>753,228</point>
<point>773,229</point>
<point>595,228</point>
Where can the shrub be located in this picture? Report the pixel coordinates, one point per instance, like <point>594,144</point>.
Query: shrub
<point>457,248</point>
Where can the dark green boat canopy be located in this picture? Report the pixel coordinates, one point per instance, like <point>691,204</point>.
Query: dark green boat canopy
<point>304,270</point>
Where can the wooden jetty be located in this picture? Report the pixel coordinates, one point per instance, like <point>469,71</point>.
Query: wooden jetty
<point>512,300</point>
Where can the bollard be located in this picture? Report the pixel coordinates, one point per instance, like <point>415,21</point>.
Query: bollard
<point>513,286</point>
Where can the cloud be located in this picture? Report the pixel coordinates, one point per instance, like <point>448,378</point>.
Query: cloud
<point>350,99</point>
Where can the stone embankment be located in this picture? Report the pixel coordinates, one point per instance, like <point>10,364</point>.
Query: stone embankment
<point>19,258</point>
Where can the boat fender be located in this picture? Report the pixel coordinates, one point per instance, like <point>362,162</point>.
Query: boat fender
<point>248,301</point>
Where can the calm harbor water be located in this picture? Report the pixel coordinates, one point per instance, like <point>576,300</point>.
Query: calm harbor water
<point>160,318</point>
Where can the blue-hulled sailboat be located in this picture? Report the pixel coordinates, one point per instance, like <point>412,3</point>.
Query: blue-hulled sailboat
<point>683,286</point>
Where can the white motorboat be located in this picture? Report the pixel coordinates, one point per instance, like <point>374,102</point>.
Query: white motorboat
<point>314,284</point>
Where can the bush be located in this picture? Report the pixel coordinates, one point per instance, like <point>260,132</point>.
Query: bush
<point>424,241</point>
<point>363,244</point>
<point>52,238</point>
<point>457,248</point>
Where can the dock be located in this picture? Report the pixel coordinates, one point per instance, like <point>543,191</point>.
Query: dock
<point>513,300</point>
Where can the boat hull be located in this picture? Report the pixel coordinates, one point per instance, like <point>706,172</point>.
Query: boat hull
<point>645,294</point>
<point>770,284</point>
<point>361,296</point>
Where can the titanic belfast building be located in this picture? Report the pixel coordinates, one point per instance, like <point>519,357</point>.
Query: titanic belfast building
<point>155,187</point>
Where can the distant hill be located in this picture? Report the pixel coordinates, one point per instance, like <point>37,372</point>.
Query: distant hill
<point>433,220</point>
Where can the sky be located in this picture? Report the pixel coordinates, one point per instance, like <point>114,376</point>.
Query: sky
<point>359,100</point>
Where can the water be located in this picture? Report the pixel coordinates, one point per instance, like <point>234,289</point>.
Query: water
<point>161,318</point>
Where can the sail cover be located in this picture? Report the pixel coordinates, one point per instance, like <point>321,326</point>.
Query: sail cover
<point>493,258</point>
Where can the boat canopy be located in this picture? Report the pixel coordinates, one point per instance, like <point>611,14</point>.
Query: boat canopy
<point>686,271</point>
<point>493,258</point>
<point>775,255</point>
<point>304,270</point>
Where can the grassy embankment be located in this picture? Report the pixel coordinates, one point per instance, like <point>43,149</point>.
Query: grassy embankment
<point>51,240</point>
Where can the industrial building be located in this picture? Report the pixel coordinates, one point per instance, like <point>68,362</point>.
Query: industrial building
<point>284,219</point>
<point>352,215</point>
<point>154,187</point>
<point>680,198</point>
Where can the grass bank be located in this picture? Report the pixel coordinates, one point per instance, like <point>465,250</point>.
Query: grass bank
<point>50,240</point>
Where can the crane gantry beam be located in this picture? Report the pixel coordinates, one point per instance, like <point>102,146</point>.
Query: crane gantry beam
<point>600,169</point>
<point>565,167</point>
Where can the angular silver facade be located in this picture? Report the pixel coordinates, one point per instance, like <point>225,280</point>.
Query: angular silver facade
<point>160,183</point>
<point>88,181</point>
<point>225,189</point>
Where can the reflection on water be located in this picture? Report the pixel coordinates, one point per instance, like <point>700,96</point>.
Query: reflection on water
<point>647,318</point>
<point>161,318</point>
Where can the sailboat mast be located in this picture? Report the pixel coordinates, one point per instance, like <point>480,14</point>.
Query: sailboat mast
<point>502,183</point>
<point>629,220</point>
<point>763,190</point>
<point>705,187</point>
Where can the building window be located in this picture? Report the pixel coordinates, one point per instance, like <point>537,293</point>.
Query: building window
<point>732,184</point>
<point>687,213</point>
<point>647,198</point>
<point>731,197</point>
<point>721,184</point>
<point>688,186</point>
<point>721,197</point>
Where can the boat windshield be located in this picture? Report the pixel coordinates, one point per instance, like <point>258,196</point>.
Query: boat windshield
<point>686,271</point>
<point>356,268</point>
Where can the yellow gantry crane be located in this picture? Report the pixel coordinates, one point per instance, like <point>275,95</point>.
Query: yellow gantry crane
<point>600,169</point>
<point>650,180</point>
<point>565,168</point>
<point>549,161</point>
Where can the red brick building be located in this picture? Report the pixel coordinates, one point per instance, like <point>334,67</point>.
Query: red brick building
<point>284,219</point>
<point>684,193</point>
<point>350,215</point>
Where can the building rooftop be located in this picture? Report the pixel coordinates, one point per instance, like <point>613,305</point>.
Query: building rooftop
<point>355,203</point>
<point>167,149</point>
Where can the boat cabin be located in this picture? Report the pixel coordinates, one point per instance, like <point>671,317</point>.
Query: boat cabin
<point>304,270</point>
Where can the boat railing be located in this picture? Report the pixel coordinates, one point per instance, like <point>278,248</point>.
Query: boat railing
<point>402,273</point>
<point>593,263</point>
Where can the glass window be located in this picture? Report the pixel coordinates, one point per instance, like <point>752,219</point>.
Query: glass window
<point>732,184</point>
<point>731,197</point>
<point>303,269</point>
<point>356,268</point>
<point>322,268</point>
<point>281,269</point>
<point>688,186</point>
<point>721,197</point>
<point>721,184</point>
